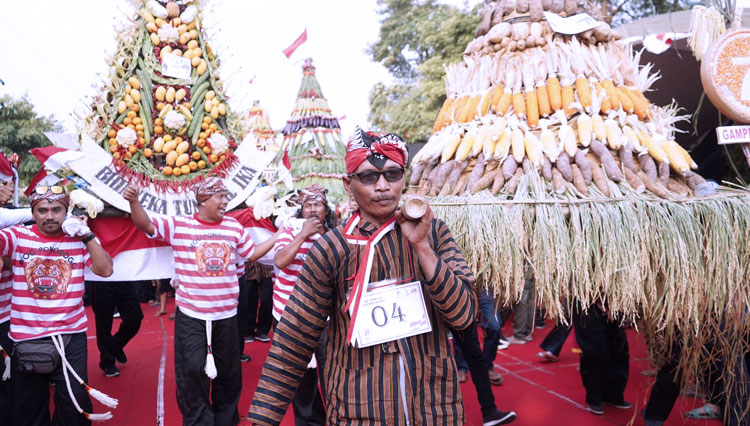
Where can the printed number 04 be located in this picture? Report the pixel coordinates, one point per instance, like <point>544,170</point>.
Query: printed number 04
<point>380,318</point>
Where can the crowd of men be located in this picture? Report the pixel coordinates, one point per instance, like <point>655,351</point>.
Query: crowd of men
<point>335,301</point>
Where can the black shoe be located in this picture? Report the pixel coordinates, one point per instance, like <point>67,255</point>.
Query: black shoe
<point>250,338</point>
<point>623,405</point>
<point>597,409</point>
<point>120,356</point>
<point>244,358</point>
<point>111,371</point>
<point>498,417</point>
<point>263,338</point>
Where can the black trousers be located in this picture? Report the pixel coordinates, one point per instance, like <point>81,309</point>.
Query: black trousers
<point>243,312</point>
<point>6,386</point>
<point>468,341</point>
<point>666,389</point>
<point>108,296</point>
<point>605,360</point>
<point>202,401</point>
<point>260,318</point>
<point>31,391</point>
<point>556,338</point>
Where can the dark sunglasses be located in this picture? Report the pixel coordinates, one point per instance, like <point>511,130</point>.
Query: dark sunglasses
<point>56,189</point>
<point>370,177</point>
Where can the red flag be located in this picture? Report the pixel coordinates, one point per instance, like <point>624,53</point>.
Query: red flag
<point>285,160</point>
<point>343,117</point>
<point>6,169</point>
<point>297,43</point>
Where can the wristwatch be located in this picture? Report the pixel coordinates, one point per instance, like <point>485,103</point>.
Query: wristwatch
<point>90,236</point>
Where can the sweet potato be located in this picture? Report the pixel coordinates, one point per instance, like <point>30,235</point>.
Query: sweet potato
<point>653,186</point>
<point>445,191</point>
<point>498,183</point>
<point>558,183</point>
<point>678,187</point>
<point>600,179</point>
<point>694,179</point>
<point>509,167</point>
<point>663,172</point>
<point>478,171</point>
<point>431,179</point>
<point>635,182</point>
<point>557,6</point>
<point>482,182</point>
<point>416,173</point>
<point>648,166</point>
<point>546,4</point>
<point>607,160</point>
<point>443,173</point>
<point>578,180</point>
<point>485,20</point>
<point>563,164</point>
<point>456,173</point>
<point>536,10</point>
<point>626,156</point>
<point>571,7</point>
<point>522,6</point>
<point>461,185</point>
<point>546,168</point>
<point>512,185</point>
<point>584,165</point>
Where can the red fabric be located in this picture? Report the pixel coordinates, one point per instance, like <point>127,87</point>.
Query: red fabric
<point>286,161</point>
<point>6,169</point>
<point>356,157</point>
<point>34,181</point>
<point>119,234</point>
<point>44,153</point>
<point>297,43</point>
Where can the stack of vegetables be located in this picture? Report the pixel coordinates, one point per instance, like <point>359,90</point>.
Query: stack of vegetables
<point>260,128</point>
<point>312,137</point>
<point>548,151</point>
<point>160,129</point>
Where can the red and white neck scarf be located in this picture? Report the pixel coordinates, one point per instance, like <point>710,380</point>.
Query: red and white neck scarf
<point>376,149</point>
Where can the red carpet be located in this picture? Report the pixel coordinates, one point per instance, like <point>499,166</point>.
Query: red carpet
<point>539,393</point>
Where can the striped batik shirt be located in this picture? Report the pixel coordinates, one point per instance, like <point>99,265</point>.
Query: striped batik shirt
<point>205,263</point>
<point>47,278</point>
<point>363,385</point>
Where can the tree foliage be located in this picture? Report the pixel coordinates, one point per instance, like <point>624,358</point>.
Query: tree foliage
<point>620,12</point>
<point>416,39</point>
<point>22,129</point>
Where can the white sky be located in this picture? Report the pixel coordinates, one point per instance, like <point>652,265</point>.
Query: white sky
<point>55,51</point>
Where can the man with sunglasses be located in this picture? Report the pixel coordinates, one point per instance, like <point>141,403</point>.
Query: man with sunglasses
<point>206,248</point>
<point>48,260</point>
<point>379,274</point>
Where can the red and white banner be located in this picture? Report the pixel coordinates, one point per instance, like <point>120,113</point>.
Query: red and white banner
<point>136,257</point>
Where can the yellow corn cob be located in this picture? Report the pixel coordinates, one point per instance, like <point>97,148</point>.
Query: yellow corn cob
<point>654,147</point>
<point>549,145</point>
<point>503,103</point>
<point>469,110</point>
<point>503,144</point>
<point>464,148</point>
<point>497,92</point>
<point>555,94</point>
<point>584,128</point>
<point>568,96</point>
<point>625,101</point>
<point>676,158</point>
<point>532,109</point>
<point>542,97</point>
<point>519,106</point>
<point>568,139</point>
<point>605,105</point>
<point>598,125</point>
<point>452,141</point>
<point>496,131</point>
<point>533,148</point>
<point>629,135</point>
<point>584,93</point>
<point>443,118</point>
<point>483,135</point>
<point>485,104</point>
<point>640,103</point>
<point>609,87</point>
<point>614,134</point>
<point>517,145</point>
<point>686,155</point>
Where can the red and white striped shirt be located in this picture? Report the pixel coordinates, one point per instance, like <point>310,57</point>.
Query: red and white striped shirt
<point>47,296</point>
<point>6,289</point>
<point>287,277</point>
<point>205,264</point>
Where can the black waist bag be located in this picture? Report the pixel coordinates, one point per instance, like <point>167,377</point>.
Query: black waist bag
<point>38,356</point>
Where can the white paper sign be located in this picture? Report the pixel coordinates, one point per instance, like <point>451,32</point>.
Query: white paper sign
<point>733,134</point>
<point>390,313</point>
<point>176,66</point>
<point>575,24</point>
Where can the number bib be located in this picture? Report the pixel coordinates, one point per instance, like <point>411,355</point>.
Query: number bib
<point>392,312</point>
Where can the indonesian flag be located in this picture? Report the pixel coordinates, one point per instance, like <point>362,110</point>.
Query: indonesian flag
<point>297,43</point>
<point>285,170</point>
<point>52,159</point>
<point>136,257</point>
<point>8,172</point>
